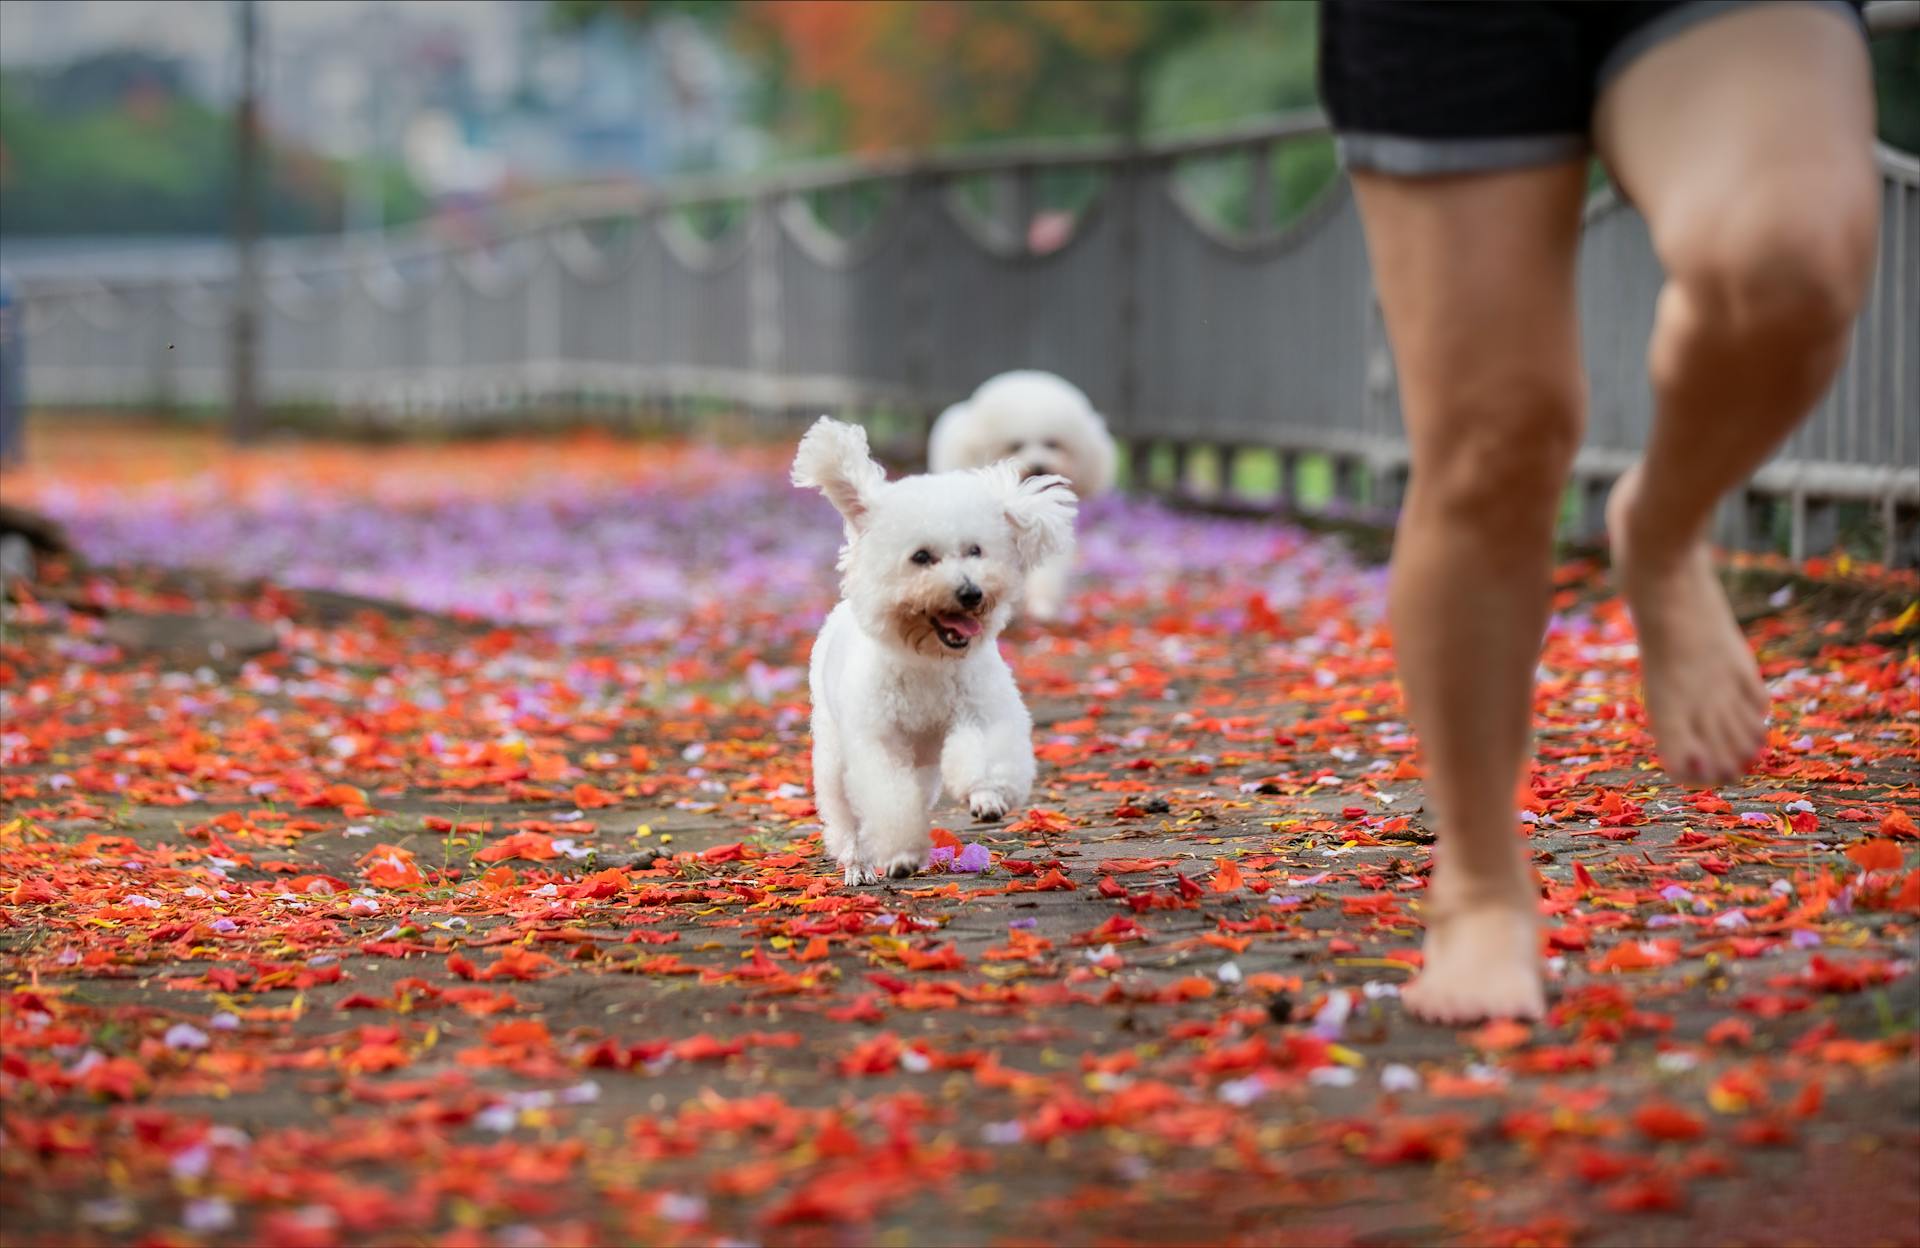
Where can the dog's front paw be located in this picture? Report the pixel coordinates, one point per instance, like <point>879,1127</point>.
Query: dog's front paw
<point>858,874</point>
<point>988,806</point>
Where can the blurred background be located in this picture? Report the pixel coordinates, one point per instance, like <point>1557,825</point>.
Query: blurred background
<point>118,114</point>
<point>681,213</point>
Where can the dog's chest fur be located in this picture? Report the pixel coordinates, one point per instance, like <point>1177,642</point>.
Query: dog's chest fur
<point>921,701</point>
<point>871,689</point>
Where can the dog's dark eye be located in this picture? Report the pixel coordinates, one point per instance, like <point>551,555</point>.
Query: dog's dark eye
<point>973,551</point>
<point>1051,444</point>
<point>923,557</point>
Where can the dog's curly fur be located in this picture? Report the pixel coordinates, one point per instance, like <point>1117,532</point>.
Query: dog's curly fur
<point>1044,425</point>
<point>909,689</point>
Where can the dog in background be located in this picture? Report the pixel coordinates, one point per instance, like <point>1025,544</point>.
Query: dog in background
<point>910,693</point>
<point>1046,427</point>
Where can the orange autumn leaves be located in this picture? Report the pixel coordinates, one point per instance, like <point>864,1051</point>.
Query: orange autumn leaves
<point>918,73</point>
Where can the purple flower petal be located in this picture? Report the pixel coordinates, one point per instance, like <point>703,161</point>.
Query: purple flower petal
<point>185,1036</point>
<point>973,857</point>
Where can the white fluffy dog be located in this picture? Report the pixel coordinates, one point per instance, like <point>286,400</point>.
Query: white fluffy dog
<point>909,689</point>
<point>1045,425</point>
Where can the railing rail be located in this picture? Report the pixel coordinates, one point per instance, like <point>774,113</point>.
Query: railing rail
<point>1188,332</point>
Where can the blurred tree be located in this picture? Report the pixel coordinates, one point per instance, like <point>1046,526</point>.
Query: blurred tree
<point>865,75</point>
<point>107,79</point>
<point>126,153</point>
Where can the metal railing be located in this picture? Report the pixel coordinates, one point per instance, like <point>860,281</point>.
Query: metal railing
<point>900,283</point>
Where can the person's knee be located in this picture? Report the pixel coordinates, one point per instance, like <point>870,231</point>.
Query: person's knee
<point>1503,442</point>
<point>1788,259</point>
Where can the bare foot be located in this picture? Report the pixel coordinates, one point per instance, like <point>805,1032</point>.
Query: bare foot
<point>1702,691</point>
<point>1481,959</point>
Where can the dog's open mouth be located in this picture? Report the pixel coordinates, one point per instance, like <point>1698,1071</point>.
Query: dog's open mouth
<point>955,630</point>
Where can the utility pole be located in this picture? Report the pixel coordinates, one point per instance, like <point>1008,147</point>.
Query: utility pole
<point>243,363</point>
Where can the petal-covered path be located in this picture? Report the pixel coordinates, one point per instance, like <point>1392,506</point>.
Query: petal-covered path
<point>465,890</point>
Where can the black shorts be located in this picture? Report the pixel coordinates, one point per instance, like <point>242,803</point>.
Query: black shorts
<point>1431,87</point>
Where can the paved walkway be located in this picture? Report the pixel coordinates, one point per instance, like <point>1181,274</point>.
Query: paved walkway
<point>502,920</point>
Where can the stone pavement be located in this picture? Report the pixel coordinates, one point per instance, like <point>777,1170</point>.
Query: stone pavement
<point>501,919</point>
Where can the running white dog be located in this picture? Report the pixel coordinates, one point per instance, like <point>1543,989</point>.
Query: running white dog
<point>909,689</point>
<point>1044,424</point>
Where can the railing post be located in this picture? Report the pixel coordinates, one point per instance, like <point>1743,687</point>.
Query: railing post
<point>1349,479</point>
<point>1228,458</point>
<point>1289,467</point>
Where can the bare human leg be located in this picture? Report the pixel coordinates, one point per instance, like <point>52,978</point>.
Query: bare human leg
<point>1747,144</point>
<point>1476,279</point>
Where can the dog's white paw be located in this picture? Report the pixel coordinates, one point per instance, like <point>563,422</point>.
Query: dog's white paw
<point>987,806</point>
<point>858,874</point>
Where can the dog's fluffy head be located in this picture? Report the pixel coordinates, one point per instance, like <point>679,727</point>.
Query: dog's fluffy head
<point>1040,422</point>
<point>934,564</point>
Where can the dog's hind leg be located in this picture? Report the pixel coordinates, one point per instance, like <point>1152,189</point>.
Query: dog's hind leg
<point>840,834</point>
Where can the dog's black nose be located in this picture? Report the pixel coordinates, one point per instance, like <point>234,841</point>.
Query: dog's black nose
<point>969,595</point>
<point>1037,470</point>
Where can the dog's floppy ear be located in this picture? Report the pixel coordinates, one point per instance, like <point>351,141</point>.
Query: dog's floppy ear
<point>1040,511</point>
<point>833,459</point>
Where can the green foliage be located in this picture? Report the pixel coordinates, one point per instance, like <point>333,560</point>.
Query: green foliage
<point>160,164</point>
<point>1896,80</point>
<point>1257,60</point>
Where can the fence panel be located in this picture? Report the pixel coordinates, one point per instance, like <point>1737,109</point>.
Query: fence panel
<point>1181,331</point>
